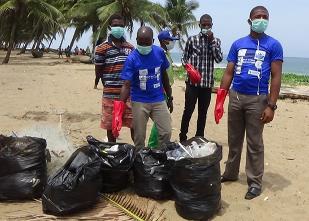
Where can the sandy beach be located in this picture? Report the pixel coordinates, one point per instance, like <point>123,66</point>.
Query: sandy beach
<point>35,92</point>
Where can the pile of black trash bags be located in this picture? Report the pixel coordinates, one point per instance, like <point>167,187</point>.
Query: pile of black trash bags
<point>100,167</point>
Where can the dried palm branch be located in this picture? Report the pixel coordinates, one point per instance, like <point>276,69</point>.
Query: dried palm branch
<point>135,207</point>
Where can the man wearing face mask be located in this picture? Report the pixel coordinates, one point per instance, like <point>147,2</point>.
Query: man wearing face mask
<point>145,77</point>
<point>200,53</point>
<point>110,57</point>
<point>167,43</point>
<point>252,61</point>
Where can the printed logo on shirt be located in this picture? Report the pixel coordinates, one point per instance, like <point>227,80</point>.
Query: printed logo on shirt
<point>242,52</point>
<point>258,64</point>
<point>157,85</point>
<point>259,55</point>
<point>254,73</point>
<point>157,73</point>
<point>143,78</point>
<point>126,51</point>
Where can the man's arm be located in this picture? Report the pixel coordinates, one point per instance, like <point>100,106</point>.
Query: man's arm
<point>125,91</point>
<point>187,52</point>
<point>275,84</point>
<point>227,76</point>
<point>216,50</point>
<point>166,84</point>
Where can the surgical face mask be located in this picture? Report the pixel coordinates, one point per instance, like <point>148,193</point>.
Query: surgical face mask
<point>205,30</point>
<point>144,50</point>
<point>170,45</point>
<point>259,25</point>
<point>117,31</point>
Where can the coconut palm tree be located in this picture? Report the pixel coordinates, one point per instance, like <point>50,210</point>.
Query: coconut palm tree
<point>20,16</point>
<point>180,17</point>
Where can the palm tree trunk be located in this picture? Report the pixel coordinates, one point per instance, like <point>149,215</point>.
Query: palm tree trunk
<point>65,31</point>
<point>74,38</point>
<point>51,41</point>
<point>39,41</point>
<point>11,43</point>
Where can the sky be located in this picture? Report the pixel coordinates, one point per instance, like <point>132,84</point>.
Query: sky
<point>288,23</point>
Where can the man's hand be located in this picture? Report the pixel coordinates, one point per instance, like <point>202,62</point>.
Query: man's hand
<point>194,75</point>
<point>268,115</point>
<point>119,107</point>
<point>210,36</point>
<point>169,102</point>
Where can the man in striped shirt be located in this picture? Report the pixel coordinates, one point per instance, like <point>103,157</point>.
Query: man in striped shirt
<point>201,52</point>
<point>109,60</point>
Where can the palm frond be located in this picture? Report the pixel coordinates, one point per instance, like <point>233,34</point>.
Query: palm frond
<point>135,207</point>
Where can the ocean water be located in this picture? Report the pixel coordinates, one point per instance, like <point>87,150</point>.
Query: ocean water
<point>293,65</point>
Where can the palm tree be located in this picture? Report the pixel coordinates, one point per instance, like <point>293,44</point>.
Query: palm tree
<point>18,17</point>
<point>180,17</point>
<point>96,14</point>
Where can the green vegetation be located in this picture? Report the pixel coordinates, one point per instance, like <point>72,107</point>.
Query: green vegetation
<point>287,78</point>
<point>24,23</point>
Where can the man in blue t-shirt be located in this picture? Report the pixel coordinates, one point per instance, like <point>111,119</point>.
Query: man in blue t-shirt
<point>145,79</point>
<point>252,61</point>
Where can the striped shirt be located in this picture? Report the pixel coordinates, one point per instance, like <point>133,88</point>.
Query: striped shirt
<point>109,60</point>
<point>202,55</point>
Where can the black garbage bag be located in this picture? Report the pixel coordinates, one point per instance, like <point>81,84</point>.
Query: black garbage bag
<point>196,184</point>
<point>23,171</point>
<point>151,171</point>
<point>117,160</point>
<point>76,185</point>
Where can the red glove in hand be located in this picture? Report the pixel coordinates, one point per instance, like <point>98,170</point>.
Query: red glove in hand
<point>194,75</point>
<point>119,107</point>
<point>221,95</point>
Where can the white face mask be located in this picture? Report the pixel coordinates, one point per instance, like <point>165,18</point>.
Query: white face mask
<point>170,45</point>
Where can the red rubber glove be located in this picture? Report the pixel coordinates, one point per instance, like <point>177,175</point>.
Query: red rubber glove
<point>119,107</point>
<point>194,75</point>
<point>221,95</point>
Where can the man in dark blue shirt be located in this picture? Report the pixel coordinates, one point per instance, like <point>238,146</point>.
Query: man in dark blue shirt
<point>145,79</point>
<point>252,61</point>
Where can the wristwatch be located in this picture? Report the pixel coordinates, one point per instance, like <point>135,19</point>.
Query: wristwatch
<point>272,106</point>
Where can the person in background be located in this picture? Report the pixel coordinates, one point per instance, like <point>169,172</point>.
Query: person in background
<point>110,57</point>
<point>252,61</point>
<point>200,53</point>
<point>145,78</point>
<point>167,42</point>
<point>76,50</point>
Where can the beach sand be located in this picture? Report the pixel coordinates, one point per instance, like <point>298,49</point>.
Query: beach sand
<point>34,92</point>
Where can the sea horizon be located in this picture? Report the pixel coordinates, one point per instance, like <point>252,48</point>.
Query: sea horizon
<point>291,65</point>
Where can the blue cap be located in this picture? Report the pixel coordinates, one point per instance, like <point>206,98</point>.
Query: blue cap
<point>165,35</point>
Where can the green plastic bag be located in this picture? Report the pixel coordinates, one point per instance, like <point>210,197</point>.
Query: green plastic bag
<point>153,141</point>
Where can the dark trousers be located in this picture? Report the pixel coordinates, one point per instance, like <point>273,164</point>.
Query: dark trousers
<point>203,95</point>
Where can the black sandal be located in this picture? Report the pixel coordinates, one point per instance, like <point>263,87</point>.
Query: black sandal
<point>252,193</point>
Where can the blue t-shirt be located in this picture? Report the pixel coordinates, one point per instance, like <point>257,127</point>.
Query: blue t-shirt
<point>145,75</point>
<point>252,58</point>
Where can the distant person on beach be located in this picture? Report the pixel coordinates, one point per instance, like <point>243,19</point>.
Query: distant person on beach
<point>201,51</point>
<point>67,52</point>
<point>145,79</point>
<point>252,61</point>
<point>167,42</point>
<point>76,50</point>
<point>60,52</point>
<point>110,57</point>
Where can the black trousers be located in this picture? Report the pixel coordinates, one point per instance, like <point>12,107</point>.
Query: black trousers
<point>193,93</point>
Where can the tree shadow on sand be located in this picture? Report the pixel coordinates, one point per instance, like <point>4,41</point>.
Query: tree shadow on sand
<point>272,181</point>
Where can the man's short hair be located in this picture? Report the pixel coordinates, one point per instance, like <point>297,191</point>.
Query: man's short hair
<point>257,8</point>
<point>115,16</point>
<point>205,16</point>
